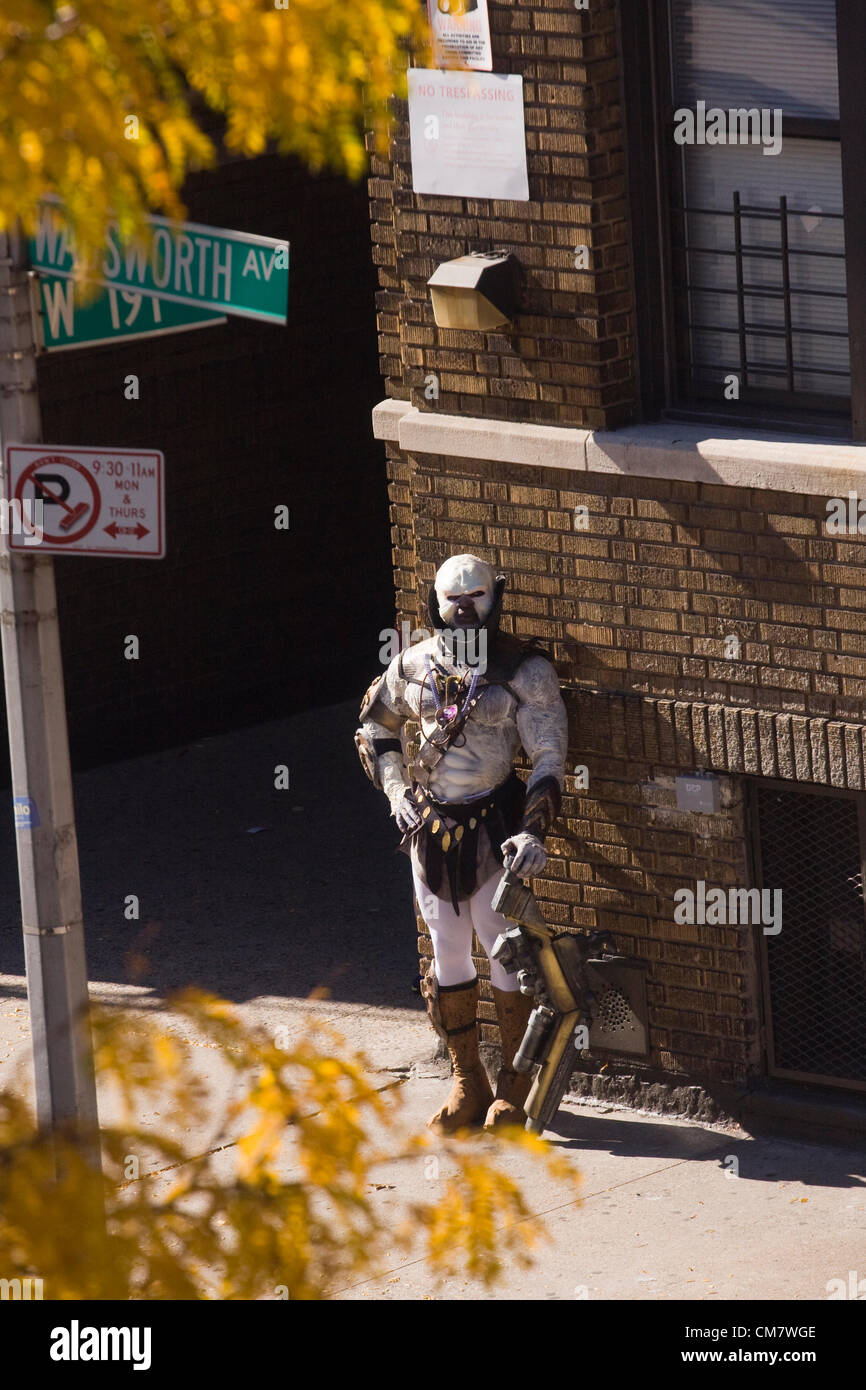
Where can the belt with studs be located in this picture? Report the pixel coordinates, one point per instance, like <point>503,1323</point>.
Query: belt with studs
<point>448,821</point>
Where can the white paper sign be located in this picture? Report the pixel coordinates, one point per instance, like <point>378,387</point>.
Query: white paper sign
<point>467,134</point>
<point>461,34</point>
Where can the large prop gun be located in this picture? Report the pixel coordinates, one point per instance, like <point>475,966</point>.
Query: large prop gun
<point>552,965</point>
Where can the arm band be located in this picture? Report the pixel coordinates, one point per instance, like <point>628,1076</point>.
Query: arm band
<point>387,745</point>
<point>543,802</point>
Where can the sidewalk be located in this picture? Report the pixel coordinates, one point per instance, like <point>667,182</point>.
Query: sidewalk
<point>258,895</point>
<point>660,1216</point>
<point>263,896</point>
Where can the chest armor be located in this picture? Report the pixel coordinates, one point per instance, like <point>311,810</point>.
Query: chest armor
<point>495,705</point>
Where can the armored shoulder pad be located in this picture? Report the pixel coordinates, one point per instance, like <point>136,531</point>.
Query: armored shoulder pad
<point>373,705</point>
<point>371,696</point>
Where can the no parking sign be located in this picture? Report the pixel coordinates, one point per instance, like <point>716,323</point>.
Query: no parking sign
<point>93,501</point>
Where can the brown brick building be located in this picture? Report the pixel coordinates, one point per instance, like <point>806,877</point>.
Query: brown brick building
<point>649,450</point>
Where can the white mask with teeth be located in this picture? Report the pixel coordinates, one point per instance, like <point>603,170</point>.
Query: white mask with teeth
<point>465,591</point>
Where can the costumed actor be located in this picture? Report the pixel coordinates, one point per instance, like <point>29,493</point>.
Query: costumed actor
<point>477,695</point>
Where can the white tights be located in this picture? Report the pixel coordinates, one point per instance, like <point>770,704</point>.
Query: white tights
<point>452,934</point>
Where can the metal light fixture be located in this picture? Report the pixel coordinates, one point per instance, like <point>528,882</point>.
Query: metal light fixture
<point>478,292</point>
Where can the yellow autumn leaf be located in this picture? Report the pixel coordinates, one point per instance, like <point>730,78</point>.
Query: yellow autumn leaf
<point>31,147</point>
<point>282,1194</point>
<point>309,80</point>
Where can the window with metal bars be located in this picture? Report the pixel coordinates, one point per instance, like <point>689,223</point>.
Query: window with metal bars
<point>810,845</point>
<point>748,263</point>
<point>757,239</point>
<point>761,295</point>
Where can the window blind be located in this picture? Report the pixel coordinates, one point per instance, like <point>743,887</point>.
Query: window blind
<point>762,53</point>
<point>773,53</point>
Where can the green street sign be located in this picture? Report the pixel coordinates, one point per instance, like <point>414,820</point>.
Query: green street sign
<point>112,316</point>
<point>187,263</point>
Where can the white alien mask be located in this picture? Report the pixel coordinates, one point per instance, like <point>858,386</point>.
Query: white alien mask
<point>465,591</point>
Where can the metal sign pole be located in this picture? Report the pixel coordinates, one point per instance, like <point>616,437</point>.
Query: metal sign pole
<point>41,772</point>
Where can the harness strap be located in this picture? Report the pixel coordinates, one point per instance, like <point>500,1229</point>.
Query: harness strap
<point>413,680</point>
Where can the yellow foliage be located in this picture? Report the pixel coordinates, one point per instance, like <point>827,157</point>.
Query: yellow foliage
<point>306,80</point>
<point>279,1202</point>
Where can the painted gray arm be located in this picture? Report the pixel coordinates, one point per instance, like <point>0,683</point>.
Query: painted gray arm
<point>542,723</point>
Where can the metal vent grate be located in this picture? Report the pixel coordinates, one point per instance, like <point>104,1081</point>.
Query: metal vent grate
<point>619,1014</point>
<point>815,968</point>
<point>613,1011</point>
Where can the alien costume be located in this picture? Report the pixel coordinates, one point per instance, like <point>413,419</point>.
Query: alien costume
<point>477,695</point>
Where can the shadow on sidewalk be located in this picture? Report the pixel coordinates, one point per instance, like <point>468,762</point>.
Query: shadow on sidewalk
<point>758,1159</point>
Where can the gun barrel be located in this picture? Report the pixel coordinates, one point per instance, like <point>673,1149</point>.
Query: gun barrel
<point>541,1021</point>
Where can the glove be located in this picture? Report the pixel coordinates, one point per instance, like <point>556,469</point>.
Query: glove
<point>405,812</point>
<point>529,854</point>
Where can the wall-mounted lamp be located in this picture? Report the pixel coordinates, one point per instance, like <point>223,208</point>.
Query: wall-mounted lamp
<point>478,292</point>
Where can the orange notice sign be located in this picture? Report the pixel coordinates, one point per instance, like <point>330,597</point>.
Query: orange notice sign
<point>461,34</point>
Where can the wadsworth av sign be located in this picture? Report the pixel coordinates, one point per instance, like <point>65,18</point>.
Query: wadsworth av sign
<point>208,268</point>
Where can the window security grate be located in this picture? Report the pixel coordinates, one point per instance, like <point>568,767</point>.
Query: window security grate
<point>810,846</point>
<point>755,300</point>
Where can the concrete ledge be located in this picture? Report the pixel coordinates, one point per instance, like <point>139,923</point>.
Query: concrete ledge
<point>781,463</point>
<point>762,460</point>
<point>465,436</point>
<point>386,419</point>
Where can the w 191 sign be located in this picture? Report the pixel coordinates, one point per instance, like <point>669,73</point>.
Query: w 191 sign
<point>112,316</point>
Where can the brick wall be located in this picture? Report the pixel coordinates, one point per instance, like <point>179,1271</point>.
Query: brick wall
<point>648,597</point>
<point>636,608</point>
<point>569,358</point>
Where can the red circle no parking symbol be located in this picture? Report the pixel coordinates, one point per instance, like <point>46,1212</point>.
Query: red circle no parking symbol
<point>69,493</point>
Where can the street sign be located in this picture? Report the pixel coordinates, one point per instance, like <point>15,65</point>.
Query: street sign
<point>114,315</point>
<point>94,501</point>
<point>186,263</point>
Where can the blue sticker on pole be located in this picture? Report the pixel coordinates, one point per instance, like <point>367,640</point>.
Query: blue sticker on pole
<point>26,814</point>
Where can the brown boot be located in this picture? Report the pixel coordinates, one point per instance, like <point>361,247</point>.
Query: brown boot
<point>512,1010</point>
<point>452,1010</point>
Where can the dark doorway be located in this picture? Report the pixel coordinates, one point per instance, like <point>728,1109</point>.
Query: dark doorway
<point>241,622</point>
